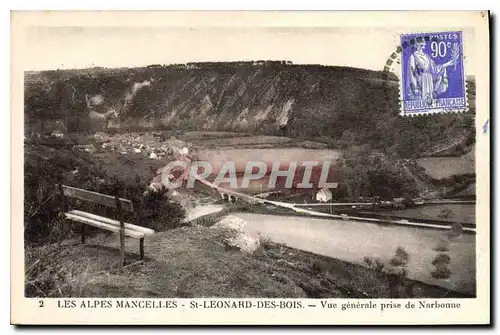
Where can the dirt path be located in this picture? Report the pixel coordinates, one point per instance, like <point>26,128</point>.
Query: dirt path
<point>202,210</point>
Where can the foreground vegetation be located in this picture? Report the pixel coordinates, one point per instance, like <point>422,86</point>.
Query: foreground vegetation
<point>46,166</point>
<point>309,106</point>
<point>193,261</point>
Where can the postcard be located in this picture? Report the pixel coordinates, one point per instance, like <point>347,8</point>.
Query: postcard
<point>250,168</point>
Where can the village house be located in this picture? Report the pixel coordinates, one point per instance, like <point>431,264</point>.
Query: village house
<point>324,195</point>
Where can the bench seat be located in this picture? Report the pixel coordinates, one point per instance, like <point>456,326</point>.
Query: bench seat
<point>140,229</point>
<point>103,225</point>
<point>84,218</point>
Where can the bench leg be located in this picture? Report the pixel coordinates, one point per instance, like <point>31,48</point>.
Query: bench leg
<point>122,247</point>
<point>141,247</point>
<point>83,233</point>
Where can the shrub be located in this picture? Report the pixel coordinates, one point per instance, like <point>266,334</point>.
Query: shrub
<point>244,207</point>
<point>157,213</point>
<point>442,246</point>
<point>446,213</point>
<point>374,263</point>
<point>42,207</point>
<point>401,257</point>
<point>441,263</point>
<point>441,259</point>
<point>397,281</point>
<point>44,277</point>
<point>414,290</point>
<point>385,220</point>
<point>317,267</point>
<point>456,230</point>
<point>441,272</point>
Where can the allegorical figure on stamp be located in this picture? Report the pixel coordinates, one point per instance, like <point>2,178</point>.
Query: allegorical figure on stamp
<point>426,79</point>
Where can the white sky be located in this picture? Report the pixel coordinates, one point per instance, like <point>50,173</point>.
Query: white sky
<point>81,47</point>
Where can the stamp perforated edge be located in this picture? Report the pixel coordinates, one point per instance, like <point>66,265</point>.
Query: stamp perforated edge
<point>396,59</point>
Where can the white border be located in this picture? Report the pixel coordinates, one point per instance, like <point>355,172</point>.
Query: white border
<point>200,4</point>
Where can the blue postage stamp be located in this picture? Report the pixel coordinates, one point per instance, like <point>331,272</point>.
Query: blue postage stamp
<point>433,78</point>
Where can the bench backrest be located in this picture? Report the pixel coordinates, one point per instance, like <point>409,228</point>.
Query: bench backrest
<point>90,196</point>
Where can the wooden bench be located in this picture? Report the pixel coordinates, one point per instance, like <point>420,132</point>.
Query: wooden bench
<point>118,226</point>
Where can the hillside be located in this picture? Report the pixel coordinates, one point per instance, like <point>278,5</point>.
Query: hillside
<point>194,262</point>
<point>334,105</point>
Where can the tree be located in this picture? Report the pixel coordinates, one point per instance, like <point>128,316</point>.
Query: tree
<point>446,213</point>
<point>369,174</point>
<point>347,139</point>
<point>456,230</point>
<point>356,162</point>
<point>441,270</point>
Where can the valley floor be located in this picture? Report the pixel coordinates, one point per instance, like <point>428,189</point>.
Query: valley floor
<point>351,241</point>
<point>193,261</point>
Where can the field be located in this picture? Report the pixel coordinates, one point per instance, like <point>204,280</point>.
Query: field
<point>445,167</point>
<point>457,213</point>
<point>128,166</point>
<point>216,139</point>
<point>284,156</point>
<point>242,156</point>
<point>245,141</point>
<point>198,135</point>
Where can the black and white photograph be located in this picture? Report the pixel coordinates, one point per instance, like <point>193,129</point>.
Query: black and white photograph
<point>272,162</point>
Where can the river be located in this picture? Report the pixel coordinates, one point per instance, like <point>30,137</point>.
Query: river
<point>351,241</point>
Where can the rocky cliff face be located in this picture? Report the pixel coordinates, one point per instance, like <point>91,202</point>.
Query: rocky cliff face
<point>310,101</point>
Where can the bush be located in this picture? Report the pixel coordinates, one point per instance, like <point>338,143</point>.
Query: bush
<point>157,213</point>
<point>441,272</point>
<point>456,230</point>
<point>44,277</point>
<point>446,213</point>
<point>442,246</point>
<point>397,281</point>
<point>441,259</point>
<point>374,263</point>
<point>317,267</point>
<point>385,220</point>
<point>242,207</point>
<point>367,175</point>
<point>441,263</point>
<point>401,257</point>
<point>414,290</point>
<point>42,206</point>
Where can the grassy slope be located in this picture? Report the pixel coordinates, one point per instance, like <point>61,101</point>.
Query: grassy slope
<point>193,262</point>
<point>445,167</point>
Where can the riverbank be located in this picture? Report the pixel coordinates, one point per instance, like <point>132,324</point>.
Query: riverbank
<point>351,241</point>
<point>191,262</point>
